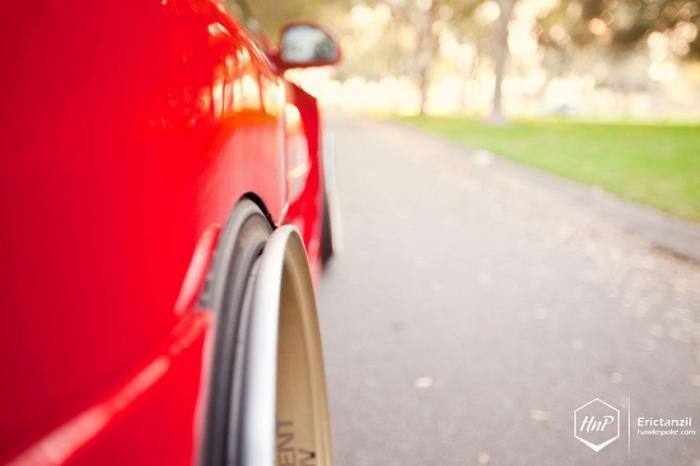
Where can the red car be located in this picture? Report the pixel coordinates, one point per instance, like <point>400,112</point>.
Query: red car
<point>163,219</point>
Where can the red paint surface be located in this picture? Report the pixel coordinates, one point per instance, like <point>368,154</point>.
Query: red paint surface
<point>128,131</point>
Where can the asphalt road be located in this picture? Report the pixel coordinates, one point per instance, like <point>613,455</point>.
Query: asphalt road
<point>474,308</point>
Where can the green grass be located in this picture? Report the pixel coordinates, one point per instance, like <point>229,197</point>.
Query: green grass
<point>658,164</point>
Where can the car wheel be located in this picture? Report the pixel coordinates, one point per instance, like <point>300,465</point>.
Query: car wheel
<point>331,238</point>
<point>327,249</point>
<point>267,396</point>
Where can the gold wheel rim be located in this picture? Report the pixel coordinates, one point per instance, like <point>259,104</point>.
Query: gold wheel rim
<point>303,428</point>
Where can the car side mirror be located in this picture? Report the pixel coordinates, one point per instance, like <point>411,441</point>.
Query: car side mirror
<point>303,45</point>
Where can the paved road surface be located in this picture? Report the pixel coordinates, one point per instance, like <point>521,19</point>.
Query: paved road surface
<point>474,309</point>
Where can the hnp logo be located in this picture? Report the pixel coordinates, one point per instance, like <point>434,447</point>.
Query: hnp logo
<point>596,424</point>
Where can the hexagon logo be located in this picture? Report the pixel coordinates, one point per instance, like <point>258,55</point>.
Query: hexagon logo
<point>596,424</point>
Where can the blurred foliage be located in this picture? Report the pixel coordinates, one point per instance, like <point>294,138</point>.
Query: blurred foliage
<point>273,14</point>
<point>616,26</point>
<point>624,45</point>
<point>620,25</point>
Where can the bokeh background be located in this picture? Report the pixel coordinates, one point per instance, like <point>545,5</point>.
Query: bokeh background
<point>590,58</point>
<point>519,188</point>
<point>533,67</point>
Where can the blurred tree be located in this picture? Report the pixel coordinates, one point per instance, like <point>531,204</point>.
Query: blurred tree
<point>619,26</point>
<point>501,56</point>
<point>407,43</point>
<point>403,42</point>
<point>484,24</point>
<point>405,39</point>
<point>426,48</point>
<point>273,14</point>
<point>474,33</point>
<point>610,40</point>
<point>427,20</point>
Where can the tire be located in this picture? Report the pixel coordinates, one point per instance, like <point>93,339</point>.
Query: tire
<point>327,249</point>
<point>331,231</point>
<point>267,398</point>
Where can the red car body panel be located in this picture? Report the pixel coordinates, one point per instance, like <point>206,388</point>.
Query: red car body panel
<point>129,131</point>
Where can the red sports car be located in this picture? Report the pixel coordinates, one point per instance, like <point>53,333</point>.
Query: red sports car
<point>163,207</point>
